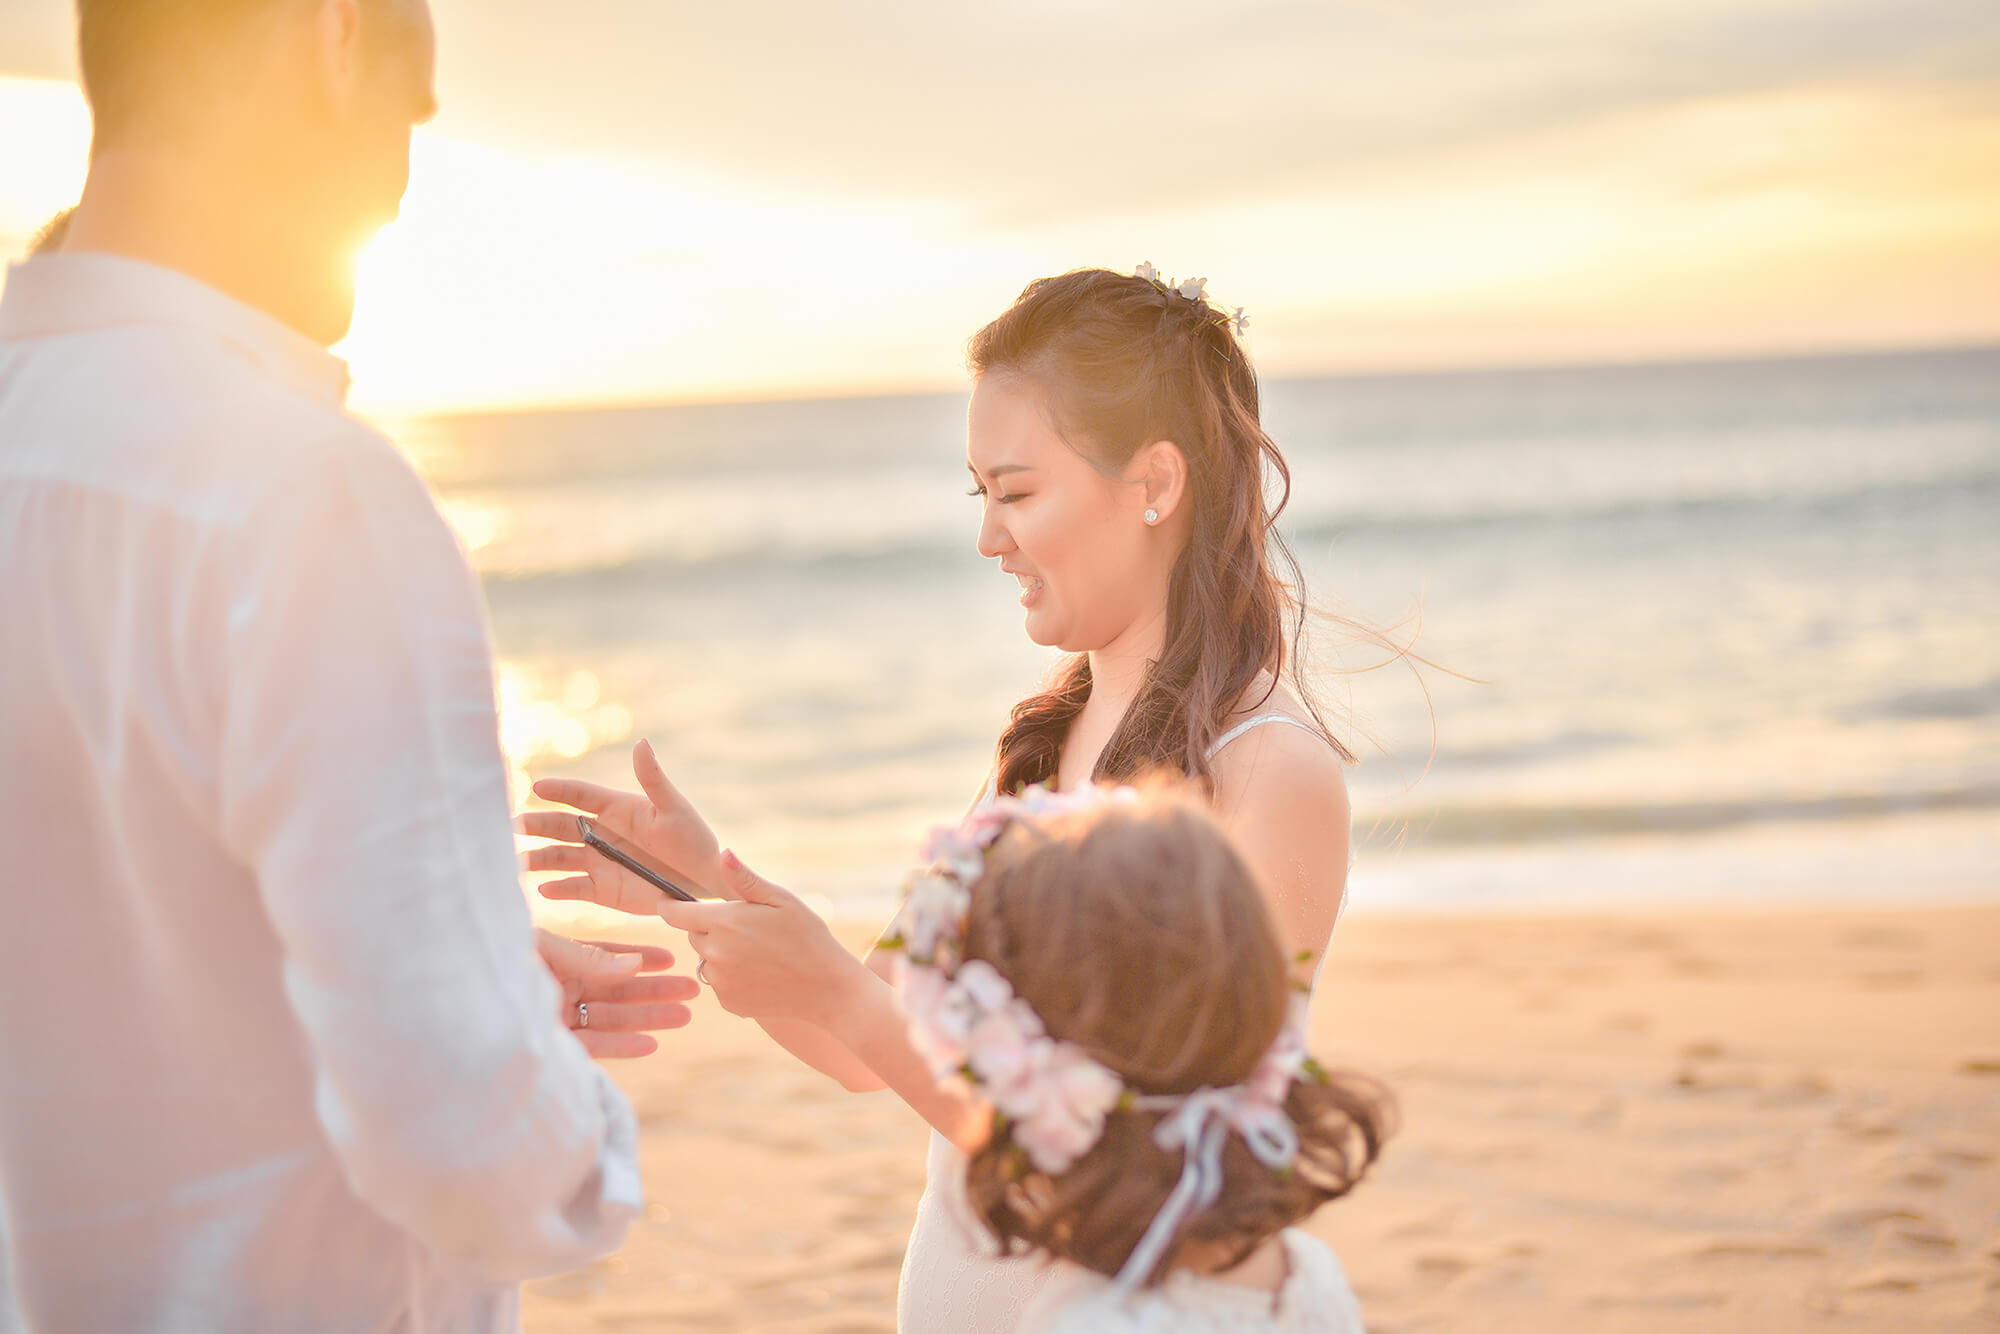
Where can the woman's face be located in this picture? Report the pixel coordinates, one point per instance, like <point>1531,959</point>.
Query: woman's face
<point>1090,568</point>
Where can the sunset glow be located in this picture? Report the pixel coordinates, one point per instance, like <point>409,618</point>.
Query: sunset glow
<point>573,256</point>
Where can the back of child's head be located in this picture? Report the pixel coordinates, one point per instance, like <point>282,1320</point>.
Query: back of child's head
<point>1135,931</point>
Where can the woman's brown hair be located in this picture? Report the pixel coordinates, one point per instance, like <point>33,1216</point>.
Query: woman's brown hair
<point>1138,933</point>
<point>1125,362</point>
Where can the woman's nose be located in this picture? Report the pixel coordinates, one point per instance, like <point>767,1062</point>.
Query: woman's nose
<point>994,540</point>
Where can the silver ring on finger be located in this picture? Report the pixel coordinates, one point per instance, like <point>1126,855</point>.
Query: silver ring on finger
<point>583,1014</point>
<point>701,972</point>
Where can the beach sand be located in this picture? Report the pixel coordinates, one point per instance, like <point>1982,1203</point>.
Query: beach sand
<point>1753,1121</point>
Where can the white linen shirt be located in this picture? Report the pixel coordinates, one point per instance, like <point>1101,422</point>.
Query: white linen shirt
<point>276,1052</point>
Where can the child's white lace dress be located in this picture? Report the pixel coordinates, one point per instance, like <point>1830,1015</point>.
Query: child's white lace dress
<point>1315,1299</point>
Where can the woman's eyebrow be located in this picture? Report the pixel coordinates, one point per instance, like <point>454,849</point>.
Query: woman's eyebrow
<point>1000,470</point>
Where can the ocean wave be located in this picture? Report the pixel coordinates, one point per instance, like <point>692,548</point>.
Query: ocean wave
<point>890,553</point>
<point>1952,703</point>
<point>1471,823</point>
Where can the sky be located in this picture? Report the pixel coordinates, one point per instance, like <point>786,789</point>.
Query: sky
<point>652,200</point>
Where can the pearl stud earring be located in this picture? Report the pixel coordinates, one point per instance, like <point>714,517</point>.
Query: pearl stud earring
<point>1152,516</point>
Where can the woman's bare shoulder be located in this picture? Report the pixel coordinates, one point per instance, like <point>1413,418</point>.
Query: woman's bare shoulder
<point>1293,767</point>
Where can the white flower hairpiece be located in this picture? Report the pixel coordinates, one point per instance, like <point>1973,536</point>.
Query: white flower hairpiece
<point>966,1021</point>
<point>1192,289</point>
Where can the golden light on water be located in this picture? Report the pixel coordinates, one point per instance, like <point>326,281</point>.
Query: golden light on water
<point>547,718</point>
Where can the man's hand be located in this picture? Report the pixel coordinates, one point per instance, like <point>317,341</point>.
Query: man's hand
<point>626,1005</point>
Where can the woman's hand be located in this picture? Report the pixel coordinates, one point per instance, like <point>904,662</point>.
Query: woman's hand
<point>767,955</point>
<point>660,823</point>
<point>625,1007</point>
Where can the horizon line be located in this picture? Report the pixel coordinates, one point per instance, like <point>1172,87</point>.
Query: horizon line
<point>1824,352</point>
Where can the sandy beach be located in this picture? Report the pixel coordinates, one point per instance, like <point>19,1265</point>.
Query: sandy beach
<point>1709,1121</point>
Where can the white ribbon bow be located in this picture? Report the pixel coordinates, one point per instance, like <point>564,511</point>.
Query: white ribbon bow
<point>1199,1127</point>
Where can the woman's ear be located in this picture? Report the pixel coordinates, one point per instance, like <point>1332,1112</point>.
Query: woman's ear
<point>1160,471</point>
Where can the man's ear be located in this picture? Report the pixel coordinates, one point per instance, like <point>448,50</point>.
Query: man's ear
<point>1160,471</point>
<point>335,54</point>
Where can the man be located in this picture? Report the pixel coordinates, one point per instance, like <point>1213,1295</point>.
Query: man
<point>276,1052</point>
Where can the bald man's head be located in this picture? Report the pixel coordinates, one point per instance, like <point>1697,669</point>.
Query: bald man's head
<point>152,68</point>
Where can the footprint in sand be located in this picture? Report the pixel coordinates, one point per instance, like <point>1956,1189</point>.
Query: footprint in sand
<point>1666,1301</point>
<point>1806,1086</point>
<point>1880,938</point>
<point>1928,1238</point>
<point>1889,979</point>
<point>1895,1278</point>
<point>1963,1152</point>
<point>1873,1214</point>
<point>1702,1079</point>
<point>1869,1118</point>
<point>1433,1224</point>
<point>1757,1248</point>
<point>1442,1266</point>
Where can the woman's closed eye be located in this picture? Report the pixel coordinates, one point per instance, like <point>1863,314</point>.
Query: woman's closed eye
<point>1003,498</point>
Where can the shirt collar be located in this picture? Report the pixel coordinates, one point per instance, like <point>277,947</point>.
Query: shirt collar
<point>78,291</point>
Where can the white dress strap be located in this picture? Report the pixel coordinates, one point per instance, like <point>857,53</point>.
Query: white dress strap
<point>1258,721</point>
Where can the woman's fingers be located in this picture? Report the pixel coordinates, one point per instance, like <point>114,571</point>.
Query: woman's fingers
<point>577,887</point>
<point>560,825</point>
<point>697,918</point>
<point>575,792</point>
<point>653,780</point>
<point>563,857</point>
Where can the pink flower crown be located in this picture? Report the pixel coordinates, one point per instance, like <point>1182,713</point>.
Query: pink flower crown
<point>966,1021</point>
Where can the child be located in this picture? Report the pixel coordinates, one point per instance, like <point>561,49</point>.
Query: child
<point>1100,967</point>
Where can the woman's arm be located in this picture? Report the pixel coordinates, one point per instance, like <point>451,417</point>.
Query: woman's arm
<point>767,955</point>
<point>1282,794</point>
<point>770,957</point>
<point>824,1052</point>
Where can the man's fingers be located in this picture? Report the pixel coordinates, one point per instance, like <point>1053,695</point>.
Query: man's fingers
<point>569,959</point>
<point>641,990</point>
<point>575,792</point>
<point>617,1046</point>
<point>636,1016</point>
<point>652,958</point>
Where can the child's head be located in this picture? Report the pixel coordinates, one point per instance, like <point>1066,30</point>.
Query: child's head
<point>1135,932</point>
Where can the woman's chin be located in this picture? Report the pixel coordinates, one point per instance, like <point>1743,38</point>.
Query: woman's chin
<point>1041,630</point>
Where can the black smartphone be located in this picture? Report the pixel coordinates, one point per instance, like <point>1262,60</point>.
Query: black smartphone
<point>631,859</point>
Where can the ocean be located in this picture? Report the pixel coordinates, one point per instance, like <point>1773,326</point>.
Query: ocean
<point>1717,633</point>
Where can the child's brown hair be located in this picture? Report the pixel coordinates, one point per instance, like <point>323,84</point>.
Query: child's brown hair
<point>1138,933</point>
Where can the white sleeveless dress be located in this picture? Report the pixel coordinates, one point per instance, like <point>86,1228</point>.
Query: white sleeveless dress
<point>955,1281</point>
<point>1315,1298</point>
